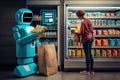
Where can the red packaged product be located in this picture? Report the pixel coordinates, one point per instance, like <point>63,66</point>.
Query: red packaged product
<point>98,32</point>
<point>109,52</point>
<point>104,32</point>
<point>112,14</point>
<point>114,52</point>
<point>107,14</point>
<point>118,52</point>
<point>103,52</point>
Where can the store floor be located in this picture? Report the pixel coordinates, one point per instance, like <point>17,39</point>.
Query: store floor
<point>8,75</point>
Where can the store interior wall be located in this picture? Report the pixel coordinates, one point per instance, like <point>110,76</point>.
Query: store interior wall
<point>8,9</point>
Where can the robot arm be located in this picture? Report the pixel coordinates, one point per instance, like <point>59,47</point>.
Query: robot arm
<point>23,40</point>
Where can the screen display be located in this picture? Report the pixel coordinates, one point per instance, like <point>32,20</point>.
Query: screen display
<point>48,17</point>
<point>27,17</point>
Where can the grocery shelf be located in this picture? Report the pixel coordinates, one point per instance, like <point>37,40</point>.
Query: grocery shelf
<point>73,47</point>
<point>103,36</point>
<point>107,26</point>
<point>48,37</point>
<point>97,17</point>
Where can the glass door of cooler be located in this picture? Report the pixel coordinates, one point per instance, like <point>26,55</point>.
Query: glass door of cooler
<point>106,45</point>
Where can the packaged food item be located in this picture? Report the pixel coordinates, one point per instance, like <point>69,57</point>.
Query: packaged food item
<point>102,14</point>
<point>111,22</point>
<point>94,32</point>
<point>104,32</point>
<point>73,53</point>
<point>110,31</point>
<point>97,22</point>
<point>98,32</point>
<point>114,52</point>
<point>117,13</point>
<point>112,14</point>
<point>109,52</point>
<point>104,22</point>
<point>117,32</point>
<point>97,52</point>
<point>114,31</point>
<point>98,42</point>
<point>69,53</point>
<point>78,52</point>
<point>104,42</point>
<point>107,14</point>
<point>103,52</point>
<point>117,22</point>
<point>98,13</point>
<point>117,42</point>
<point>83,53</point>
<point>118,52</point>
<point>93,52</point>
<point>70,42</point>
<point>112,42</point>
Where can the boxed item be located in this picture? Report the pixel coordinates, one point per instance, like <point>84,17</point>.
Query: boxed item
<point>109,52</point>
<point>98,42</point>
<point>114,52</point>
<point>78,52</point>
<point>97,52</point>
<point>104,32</point>
<point>103,52</point>
<point>104,42</point>
<point>112,42</point>
<point>47,60</point>
<point>98,32</point>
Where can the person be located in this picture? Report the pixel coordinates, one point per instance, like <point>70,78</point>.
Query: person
<point>86,33</point>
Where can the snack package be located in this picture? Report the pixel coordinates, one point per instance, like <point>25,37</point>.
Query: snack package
<point>104,42</point>
<point>109,52</point>
<point>98,32</point>
<point>117,32</point>
<point>97,52</point>
<point>97,22</point>
<point>82,53</point>
<point>112,14</point>
<point>107,14</point>
<point>104,32</point>
<point>117,42</point>
<point>104,22</point>
<point>110,31</point>
<point>103,52</point>
<point>98,42</point>
<point>93,52</point>
<point>118,52</point>
<point>94,42</point>
<point>112,42</point>
<point>39,29</point>
<point>94,32</point>
<point>114,52</point>
<point>69,53</point>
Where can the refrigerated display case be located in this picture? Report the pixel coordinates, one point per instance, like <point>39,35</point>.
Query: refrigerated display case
<point>106,45</point>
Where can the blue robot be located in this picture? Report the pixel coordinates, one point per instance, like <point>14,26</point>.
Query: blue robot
<point>25,43</point>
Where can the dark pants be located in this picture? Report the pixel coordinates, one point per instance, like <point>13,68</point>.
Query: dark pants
<point>89,59</point>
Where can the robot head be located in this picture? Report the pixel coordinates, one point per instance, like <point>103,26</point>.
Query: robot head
<point>24,16</point>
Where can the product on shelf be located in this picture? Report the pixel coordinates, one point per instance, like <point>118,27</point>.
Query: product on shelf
<point>97,22</point>
<point>98,42</point>
<point>111,31</point>
<point>82,52</point>
<point>117,42</point>
<point>107,14</point>
<point>114,52</point>
<point>94,42</point>
<point>78,52</point>
<point>109,52</point>
<point>70,42</point>
<point>73,53</point>
<point>97,52</point>
<point>104,32</point>
<point>94,32</point>
<point>103,23</point>
<point>112,14</point>
<point>78,27</point>
<point>93,52</point>
<point>69,53</point>
<point>111,22</point>
<point>102,14</point>
<point>112,42</point>
<point>98,32</point>
<point>118,52</point>
<point>117,32</point>
<point>118,22</point>
<point>104,42</point>
<point>118,13</point>
<point>69,32</point>
<point>103,52</point>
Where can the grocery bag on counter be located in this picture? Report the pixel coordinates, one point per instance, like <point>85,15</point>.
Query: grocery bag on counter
<point>47,60</point>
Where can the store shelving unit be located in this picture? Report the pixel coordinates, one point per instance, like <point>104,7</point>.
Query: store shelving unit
<point>74,61</point>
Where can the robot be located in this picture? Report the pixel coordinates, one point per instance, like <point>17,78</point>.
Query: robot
<point>25,43</point>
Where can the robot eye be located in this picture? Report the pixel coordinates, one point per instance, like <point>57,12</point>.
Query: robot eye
<point>27,17</point>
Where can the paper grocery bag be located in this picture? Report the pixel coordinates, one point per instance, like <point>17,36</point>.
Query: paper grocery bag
<point>47,60</point>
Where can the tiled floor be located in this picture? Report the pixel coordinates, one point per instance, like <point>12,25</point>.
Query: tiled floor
<point>8,75</point>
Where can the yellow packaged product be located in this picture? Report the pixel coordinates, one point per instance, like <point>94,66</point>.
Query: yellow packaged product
<point>78,52</point>
<point>83,53</point>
